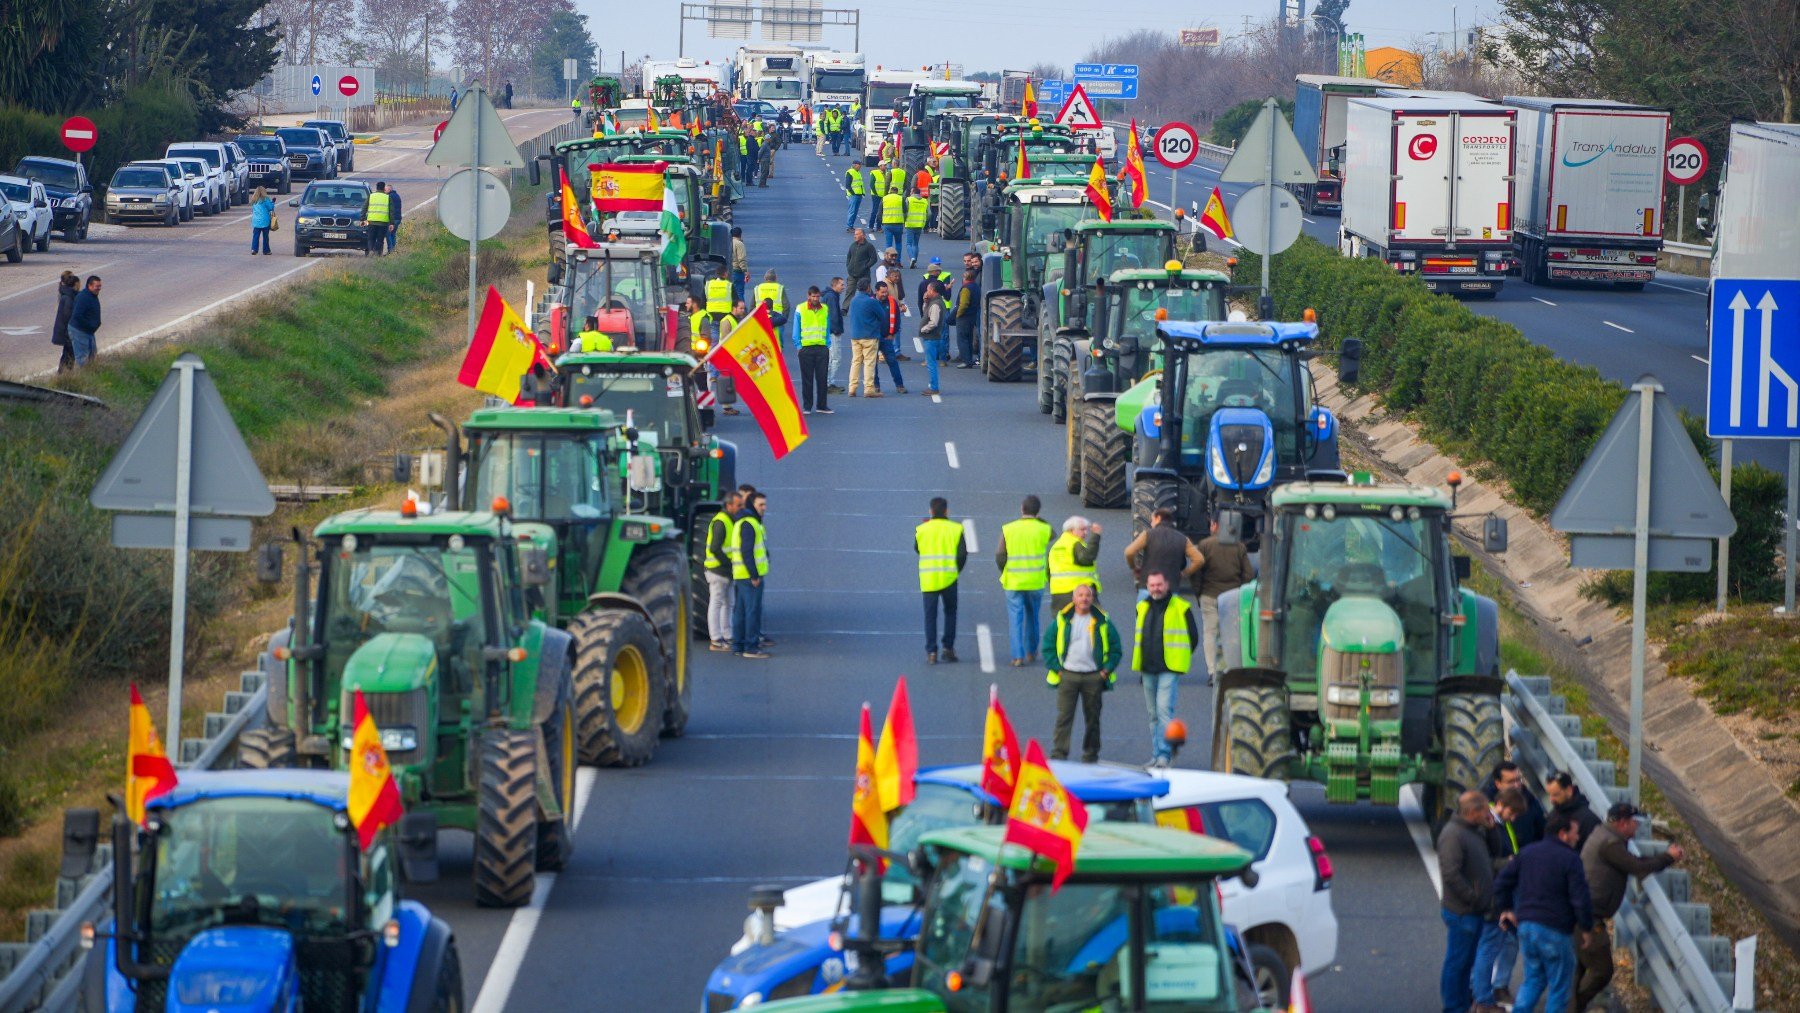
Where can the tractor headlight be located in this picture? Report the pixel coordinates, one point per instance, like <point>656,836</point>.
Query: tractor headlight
<point>753,999</point>
<point>1266,472</point>
<point>1346,695</point>
<point>1216,460</point>
<point>399,739</point>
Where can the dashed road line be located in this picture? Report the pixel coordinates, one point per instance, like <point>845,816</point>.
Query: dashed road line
<point>950,452</point>
<point>1627,330</point>
<point>984,645</point>
<point>1703,362</point>
<point>968,525</point>
<point>919,346</point>
<point>1546,302</point>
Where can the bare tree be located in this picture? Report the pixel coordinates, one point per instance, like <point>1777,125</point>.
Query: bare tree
<point>313,30</point>
<point>399,34</point>
<point>493,39</point>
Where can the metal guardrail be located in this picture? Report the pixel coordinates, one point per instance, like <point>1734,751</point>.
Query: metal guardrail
<point>1695,250</point>
<point>1674,953</point>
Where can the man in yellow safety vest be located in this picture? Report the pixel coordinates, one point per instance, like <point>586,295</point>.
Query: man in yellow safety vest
<point>721,546</point>
<point>878,178</point>
<point>1072,560</point>
<point>893,217</point>
<point>773,292</point>
<point>592,338</point>
<point>1024,561</point>
<point>854,189</point>
<point>917,206</point>
<point>1167,635</point>
<point>1081,650</point>
<point>812,326</point>
<point>749,565</point>
<point>942,555</point>
<point>379,214</point>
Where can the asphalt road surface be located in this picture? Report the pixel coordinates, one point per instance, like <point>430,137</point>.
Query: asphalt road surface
<point>759,790</point>
<point>157,278</point>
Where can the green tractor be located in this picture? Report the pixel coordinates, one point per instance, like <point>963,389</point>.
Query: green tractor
<point>1092,251</point>
<point>427,616</point>
<point>1357,658</point>
<point>995,160</point>
<point>962,131</point>
<point>1035,217</point>
<point>1112,348</point>
<point>604,92</point>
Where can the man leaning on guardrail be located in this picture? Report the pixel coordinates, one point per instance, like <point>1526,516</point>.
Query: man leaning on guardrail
<point>1607,861</point>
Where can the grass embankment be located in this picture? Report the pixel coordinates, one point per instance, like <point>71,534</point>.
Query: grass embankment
<point>322,377</point>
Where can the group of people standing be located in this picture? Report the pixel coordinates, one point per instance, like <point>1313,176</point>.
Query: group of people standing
<point>737,563</point>
<point>77,326</point>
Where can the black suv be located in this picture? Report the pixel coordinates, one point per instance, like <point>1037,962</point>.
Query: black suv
<point>311,155</point>
<point>269,166</point>
<point>340,139</point>
<point>332,214</point>
<point>71,194</point>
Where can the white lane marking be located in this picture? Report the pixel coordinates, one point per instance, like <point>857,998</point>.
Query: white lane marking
<point>968,524</point>
<point>209,307</point>
<point>984,645</point>
<point>1307,220</point>
<point>1627,330</point>
<point>94,269</point>
<point>1703,362</point>
<point>503,972</point>
<point>1421,835</point>
<point>1679,288</point>
<point>935,399</point>
<point>950,452</point>
<point>919,346</point>
<point>1546,302</point>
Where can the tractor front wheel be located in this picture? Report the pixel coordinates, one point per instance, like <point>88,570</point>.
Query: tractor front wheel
<point>267,749</point>
<point>1003,350</point>
<point>953,209</point>
<point>619,687</point>
<point>1104,456</point>
<point>1471,729</point>
<point>1251,736</point>
<point>506,827</point>
<point>659,576</point>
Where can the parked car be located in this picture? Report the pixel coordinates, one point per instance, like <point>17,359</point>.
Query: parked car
<point>145,192</point>
<point>12,233</point>
<point>71,192</point>
<point>191,180</point>
<point>31,206</point>
<point>332,214</point>
<point>341,139</point>
<point>215,192</point>
<point>311,155</point>
<point>218,158</point>
<point>269,164</point>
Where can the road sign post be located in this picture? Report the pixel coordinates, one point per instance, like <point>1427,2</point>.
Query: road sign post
<point>1175,146</point>
<point>1269,155</point>
<point>474,137</point>
<point>1684,163</point>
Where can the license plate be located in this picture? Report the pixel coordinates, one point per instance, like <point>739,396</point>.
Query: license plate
<point>1461,269</point>
<point>1477,286</point>
<point>337,235</point>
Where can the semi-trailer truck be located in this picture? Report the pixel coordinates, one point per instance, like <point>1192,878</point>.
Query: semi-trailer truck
<point>1428,188</point>
<point>1319,102</point>
<point>771,73</point>
<point>697,78</point>
<point>834,78</point>
<point>886,89</point>
<point>1590,190</point>
<point>1751,219</point>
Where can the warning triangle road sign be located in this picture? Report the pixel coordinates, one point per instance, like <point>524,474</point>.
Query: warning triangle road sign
<point>1269,139</point>
<point>1078,112</point>
<point>456,148</point>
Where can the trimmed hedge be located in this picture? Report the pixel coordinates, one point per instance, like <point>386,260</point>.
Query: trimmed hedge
<point>141,124</point>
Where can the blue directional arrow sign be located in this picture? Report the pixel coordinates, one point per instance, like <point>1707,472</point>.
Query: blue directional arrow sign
<point>1052,93</point>
<point>317,84</point>
<point>1753,381</point>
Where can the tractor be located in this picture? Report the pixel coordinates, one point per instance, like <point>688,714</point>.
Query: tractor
<point>604,93</point>
<point>1092,251</point>
<point>1111,348</point>
<point>250,890</point>
<point>701,220</point>
<point>1230,415</point>
<point>1357,658</point>
<point>1035,217</point>
<point>621,283</point>
<point>426,614</point>
<point>994,162</point>
<point>960,132</point>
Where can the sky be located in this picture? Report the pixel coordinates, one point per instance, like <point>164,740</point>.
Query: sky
<point>1008,34</point>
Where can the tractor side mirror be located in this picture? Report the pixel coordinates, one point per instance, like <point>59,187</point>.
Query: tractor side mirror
<point>725,389</point>
<point>718,242</point>
<point>1230,527</point>
<point>268,563</point>
<point>535,174</point>
<point>534,566</point>
<point>1350,360</point>
<point>418,840</point>
<point>81,837</point>
<point>403,467</point>
<point>1463,568</point>
<point>1493,535</point>
<point>708,418</point>
<point>1704,219</point>
<point>1249,878</point>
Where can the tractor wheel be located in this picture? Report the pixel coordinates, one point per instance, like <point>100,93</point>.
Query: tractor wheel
<point>1252,736</point>
<point>1072,454</point>
<point>618,687</point>
<point>448,989</point>
<point>506,828</point>
<point>1043,382</point>
<point>1003,346</point>
<point>953,209</point>
<point>660,577</point>
<point>267,748</point>
<point>913,158</point>
<point>699,595</point>
<point>556,838</point>
<point>1471,730</point>
<point>1062,355</point>
<point>1147,494</point>
<point>1103,455</point>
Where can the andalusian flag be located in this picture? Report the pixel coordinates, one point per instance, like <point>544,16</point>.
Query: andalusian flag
<point>897,758</point>
<point>999,752</point>
<point>1096,190</point>
<point>1214,219</point>
<point>674,238</point>
<point>628,187</point>
<point>868,823</point>
<point>1028,108</point>
<point>502,352</point>
<point>148,772</point>
<point>752,358</point>
<point>1134,168</point>
<point>374,800</point>
<point>573,230</point>
<point>1044,817</point>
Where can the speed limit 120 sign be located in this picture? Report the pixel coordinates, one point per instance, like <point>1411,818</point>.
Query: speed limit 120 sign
<point>1685,162</point>
<point>1176,144</point>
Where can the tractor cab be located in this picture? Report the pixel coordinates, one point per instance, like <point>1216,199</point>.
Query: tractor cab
<point>1093,251</point>
<point>620,283</point>
<point>1128,306</point>
<point>1033,222</point>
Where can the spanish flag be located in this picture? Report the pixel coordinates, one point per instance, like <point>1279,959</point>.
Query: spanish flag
<point>502,352</point>
<point>897,758</point>
<point>374,800</point>
<point>653,124</point>
<point>628,187</point>
<point>1134,168</point>
<point>148,772</point>
<point>573,230</point>
<point>999,752</point>
<point>868,823</point>
<point>751,357</point>
<point>1044,818</point>
<point>1096,190</point>
<point>1022,170</point>
<point>1028,108</point>
<point>1214,219</point>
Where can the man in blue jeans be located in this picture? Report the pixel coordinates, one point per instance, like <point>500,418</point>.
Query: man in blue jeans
<point>1024,561</point>
<point>1466,869</point>
<point>1543,894</point>
<point>748,569</point>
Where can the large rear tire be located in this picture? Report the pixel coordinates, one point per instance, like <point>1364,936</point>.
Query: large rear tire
<point>556,837</point>
<point>618,687</point>
<point>659,576</point>
<point>1252,735</point>
<point>1003,345</point>
<point>1072,454</point>
<point>1062,352</point>
<point>267,749</point>
<point>953,209</point>
<point>506,828</point>
<point>1043,380</point>
<point>1471,729</point>
<point>1104,449</point>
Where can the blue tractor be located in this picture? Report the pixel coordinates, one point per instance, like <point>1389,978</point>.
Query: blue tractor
<point>250,891</point>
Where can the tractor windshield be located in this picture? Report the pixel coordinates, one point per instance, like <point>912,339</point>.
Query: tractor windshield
<point>1136,314</point>
<point>1359,551</point>
<point>430,588</point>
<point>657,404</point>
<point>621,292</point>
<point>1074,948</point>
<point>546,476</point>
<point>1109,251</point>
<point>277,862</point>
<point>1044,237</point>
<point>1264,378</point>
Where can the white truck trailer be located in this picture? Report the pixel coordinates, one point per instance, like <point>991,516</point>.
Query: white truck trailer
<point>886,89</point>
<point>1590,190</point>
<point>771,73</point>
<point>1428,188</point>
<point>1755,219</point>
<point>1319,108</point>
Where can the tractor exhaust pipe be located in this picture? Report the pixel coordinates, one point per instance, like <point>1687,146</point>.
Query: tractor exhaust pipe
<point>452,460</point>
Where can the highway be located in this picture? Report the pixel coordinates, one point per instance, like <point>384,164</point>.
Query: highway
<point>158,279</point>
<point>759,790</point>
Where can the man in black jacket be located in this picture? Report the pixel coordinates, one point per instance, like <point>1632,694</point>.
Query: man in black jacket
<point>859,262</point>
<point>84,322</point>
<point>1567,800</point>
<point>1467,871</point>
<point>1543,895</point>
<point>1529,827</point>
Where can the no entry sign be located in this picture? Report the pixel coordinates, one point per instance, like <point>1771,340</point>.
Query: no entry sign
<point>78,134</point>
<point>439,132</point>
<point>348,84</point>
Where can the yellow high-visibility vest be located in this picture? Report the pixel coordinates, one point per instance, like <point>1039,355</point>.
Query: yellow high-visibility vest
<point>594,341</point>
<point>1178,653</point>
<point>378,206</point>
<point>761,559</point>
<point>771,290</point>
<point>879,178</point>
<point>916,209</point>
<point>853,180</point>
<point>897,180</point>
<point>815,325</point>
<point>1027,554</point>
<point>697,322</point>
<point>718,296</point>
<point>1065,573</point>
<point>743,145</point>
<point>714,561</point>
<point>893,209</point>
<point>938,538</point>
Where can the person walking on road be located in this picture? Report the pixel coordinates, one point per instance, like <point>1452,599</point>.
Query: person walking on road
<point>878,188</point>
<point>931,334</point>
<point>1160,548</point>
<point>1072,561</point>
<point>262,216</point>
<point>893,310</point>
<point>721,549</point>
<point>1223,568</point>
<point>84,322</point>
<point>378,216</point>
<point>1466,869</point>
<point>1024,561</point>
<point>1567,800</point>
<point>393,229</point>
<point>834,304</point>
<point>740,263</point>
<point>749,566</point>
<point>860,259</point>
<point>773,293</point>
<point>1543,895</point>
<point>854,189</point>
<point>893,217</point>
<point>812,323</point>
<point>1081,649</point>
<point>917,207</point>
<point>66,289</point>
<point>968,317</point>
<point>766,166</point>
<point>943,553</point>
<point>1490,984</point>
<point>1162,651</point>
<point>750,147</point>
<point>868,319</point>
<point>1608,862</point>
